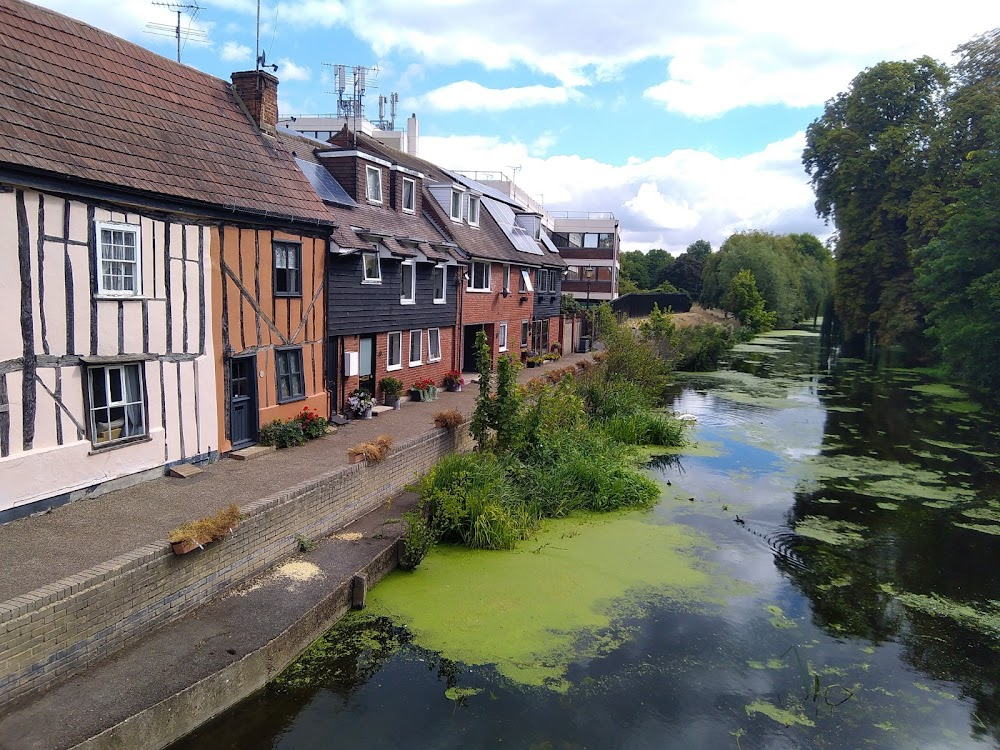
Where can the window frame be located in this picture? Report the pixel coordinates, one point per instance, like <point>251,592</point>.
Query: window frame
<point>474,201</point>
<point>365,254</point>
<point>456,196</point>
<point>526,281</point>
<point>420,347</point>
<point>472,275</point>
<point>443,268</point>
<point>109,405</point>
<point>413,195</point>
<point>506,278</point>
<point>297,292</point>
<point>525,333</point>
<point>389,366</point>
<point>412,298</point>
<point>377,182</point>
<point>282,354</point>
<point>502,336</point>
<point>431,357</point>
<point>117,226</point>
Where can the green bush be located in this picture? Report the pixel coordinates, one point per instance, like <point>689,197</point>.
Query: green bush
<point>644,428</point>
<point>701,348</point>
<point>282,433</point>
<point>313,425</point>
<point>417,542</point>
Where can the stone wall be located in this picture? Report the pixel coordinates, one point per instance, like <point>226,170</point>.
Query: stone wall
<point>55,631</point>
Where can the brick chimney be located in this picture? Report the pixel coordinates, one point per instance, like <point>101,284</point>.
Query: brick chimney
<point>259,92</point>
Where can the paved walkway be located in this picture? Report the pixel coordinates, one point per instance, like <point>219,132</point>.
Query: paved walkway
<point>42,549</point>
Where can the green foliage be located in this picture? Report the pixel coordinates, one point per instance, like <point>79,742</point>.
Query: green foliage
<point>568,305</point>
<point>480,424</point>
<point>304,543</point>
<point>959,274</point>
<point>417,541</point>
<point>871,158</point>
<point>391,386</point>
<point>743,299</point>
<point>658,326</point>
<point>644,428</point>
<point>313,425</point>
<point>282,433</point>
<point>701,348</point>
<point>503,412</point>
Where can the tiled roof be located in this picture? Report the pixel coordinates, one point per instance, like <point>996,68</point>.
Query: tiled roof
<point>488,241</point>
<point>79,103</point>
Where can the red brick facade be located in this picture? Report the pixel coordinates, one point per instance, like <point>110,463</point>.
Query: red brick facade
<point>408,373</point>
<point>492,308</point>
<point>259,92</point>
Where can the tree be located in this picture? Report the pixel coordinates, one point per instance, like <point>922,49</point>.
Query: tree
<point>699,250</point>
<point>685,274</point>
<point>746,303</point>
<point>869,156</point>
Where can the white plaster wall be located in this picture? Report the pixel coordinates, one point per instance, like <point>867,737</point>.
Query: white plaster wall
<point>50,469</point>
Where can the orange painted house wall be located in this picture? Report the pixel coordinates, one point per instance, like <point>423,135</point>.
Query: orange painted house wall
<point>249,319</point>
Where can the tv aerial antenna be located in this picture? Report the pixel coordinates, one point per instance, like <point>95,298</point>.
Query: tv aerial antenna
<point>351,95</point>
<point>162,29</point>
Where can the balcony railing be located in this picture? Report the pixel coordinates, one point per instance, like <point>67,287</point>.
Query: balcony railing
<point>581,214</point>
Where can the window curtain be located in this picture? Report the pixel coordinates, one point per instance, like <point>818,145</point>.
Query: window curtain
<point>133,397</point>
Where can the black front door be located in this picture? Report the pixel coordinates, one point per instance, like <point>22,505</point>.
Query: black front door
<point>243,401</point>
<point>366,365</point>
<point>469,363</point>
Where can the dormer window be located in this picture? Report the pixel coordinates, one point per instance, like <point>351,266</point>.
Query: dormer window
<point>474,210</point>
<point>409,195</point>
<point>456,205</point>
<point>373,184</point>
<point>370,268</point>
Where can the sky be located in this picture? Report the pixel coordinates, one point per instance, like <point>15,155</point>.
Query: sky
<point>685,118</point>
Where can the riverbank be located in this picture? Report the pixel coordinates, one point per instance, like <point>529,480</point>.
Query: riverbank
<point>88,623</point>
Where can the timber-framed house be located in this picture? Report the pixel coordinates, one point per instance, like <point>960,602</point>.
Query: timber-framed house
<point>126,182</point>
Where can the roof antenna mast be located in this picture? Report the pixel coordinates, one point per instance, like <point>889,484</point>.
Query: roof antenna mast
<point>161,29</point>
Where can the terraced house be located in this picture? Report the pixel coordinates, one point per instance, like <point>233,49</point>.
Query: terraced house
<point>511,277</point>
<point>158,256</point>
<point>392,294</point>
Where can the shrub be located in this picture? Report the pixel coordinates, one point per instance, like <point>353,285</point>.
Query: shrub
<point>377,450</point>
<point>450,419</point>
<point>313,425</point>
<point>391,386</point>
<point>644,428</point>
<point>282,433</point>
<point>700,348</point>
<point>209,528</point>
<point>417,542</point>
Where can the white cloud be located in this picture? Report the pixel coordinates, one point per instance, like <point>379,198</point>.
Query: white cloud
<point>668,201</point>
<point>289,71</point>
<point>236,52</point>
<point>717,55</point>
<point>470,95</point>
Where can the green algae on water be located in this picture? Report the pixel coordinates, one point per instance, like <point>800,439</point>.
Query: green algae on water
<point>941,390</point>
<point>830,531</point>
<point>983,617</point>
<point>981,528</point>
<point>531,611</point>
<point>778,618</point>
<point>460,694</point>
<point>787,717</point>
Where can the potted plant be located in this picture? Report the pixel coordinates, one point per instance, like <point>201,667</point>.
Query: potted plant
<point>454,381</point>
<point>196,534</point>
<point>531,359</point>
<point>391,388</point>
<point>422,390</point>
<point>361,402</point>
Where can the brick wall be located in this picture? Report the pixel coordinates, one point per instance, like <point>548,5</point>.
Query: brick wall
<point>57,630</point>
<point>493,308</point>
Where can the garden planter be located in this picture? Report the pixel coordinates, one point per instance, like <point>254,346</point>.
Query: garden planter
<point>416,395</point>
<point>392,401</point>
<point>455,388</point>
<point>356,458</point>
<point>185,546</point>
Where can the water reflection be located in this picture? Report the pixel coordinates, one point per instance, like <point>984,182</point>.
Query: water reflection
<point>860,506</point>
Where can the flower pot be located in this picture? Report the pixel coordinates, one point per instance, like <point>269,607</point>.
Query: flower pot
<point>455,388</point>
<point>184,546</point>
<point>416,395</point>
<point>392,401</point>
<point>366,413</point>
<point>356,458</point>
<point>432,393</point>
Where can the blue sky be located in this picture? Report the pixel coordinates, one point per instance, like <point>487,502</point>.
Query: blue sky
<point>685,118</point>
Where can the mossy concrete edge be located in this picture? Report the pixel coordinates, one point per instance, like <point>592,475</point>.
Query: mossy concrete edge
<point>182,713</point>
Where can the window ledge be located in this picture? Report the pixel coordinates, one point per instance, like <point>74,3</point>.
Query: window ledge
<point>292,399</point>
<point>407,302</point>
<point>121,297</point>
<point>392,368</point>
<point>286,295</point>
<point>440,301</point>
<point>438,359</point>
<point>416,364</point>
<point>122,443</point>
<point>371,281</point>
<point>409,211</point>
<point>479,291</point>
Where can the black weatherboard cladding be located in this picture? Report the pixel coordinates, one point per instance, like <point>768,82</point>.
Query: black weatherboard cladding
<point>547,304</point>
<point>356,308</point>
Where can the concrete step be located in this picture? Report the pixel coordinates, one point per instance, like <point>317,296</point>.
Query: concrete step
<point>254,451</point>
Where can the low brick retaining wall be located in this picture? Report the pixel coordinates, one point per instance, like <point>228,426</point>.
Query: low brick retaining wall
<point>57,630</point>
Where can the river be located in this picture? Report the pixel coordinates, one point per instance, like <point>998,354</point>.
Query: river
<point>821,572</point>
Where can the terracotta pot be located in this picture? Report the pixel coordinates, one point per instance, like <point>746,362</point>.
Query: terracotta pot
<point>184,546</point>
<point>356,458</point>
